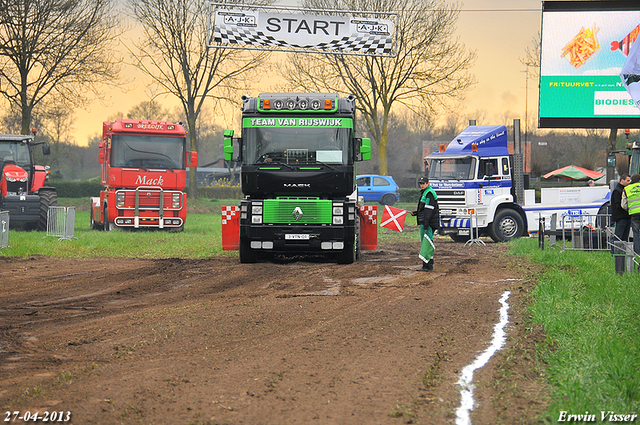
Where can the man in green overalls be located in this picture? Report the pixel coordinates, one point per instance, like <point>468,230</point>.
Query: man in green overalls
<point>428,217</point>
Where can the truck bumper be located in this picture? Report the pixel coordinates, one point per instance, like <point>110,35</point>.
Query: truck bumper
<point>23,209</point>
<point>292,239</point>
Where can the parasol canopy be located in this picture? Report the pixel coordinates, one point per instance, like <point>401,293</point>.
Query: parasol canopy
<point>571,172</point>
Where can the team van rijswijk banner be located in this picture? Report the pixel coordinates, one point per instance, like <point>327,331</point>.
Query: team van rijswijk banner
<point>264,28</point>
<point>584,48</point>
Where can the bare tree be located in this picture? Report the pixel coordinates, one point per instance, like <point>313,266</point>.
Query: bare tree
<point>174,54</point>
<point>430,67</point>
<point>532,58</point>
<point>148,110</point>
<point>58,48</point>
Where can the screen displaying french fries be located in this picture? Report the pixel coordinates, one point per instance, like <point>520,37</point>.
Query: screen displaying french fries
<point>581,47</point>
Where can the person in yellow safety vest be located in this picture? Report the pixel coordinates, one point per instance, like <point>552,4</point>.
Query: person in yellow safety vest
<point>631,202</point>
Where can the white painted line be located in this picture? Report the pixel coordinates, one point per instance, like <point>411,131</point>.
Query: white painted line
<point>466,376</point>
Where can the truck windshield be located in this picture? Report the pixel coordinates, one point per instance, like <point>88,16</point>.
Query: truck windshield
<point>147,151</point>
<point>297,145</point>
<point>452,168</point>
<point>16,153</point>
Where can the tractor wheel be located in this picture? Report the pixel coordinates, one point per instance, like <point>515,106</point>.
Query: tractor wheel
<point>48,198</point>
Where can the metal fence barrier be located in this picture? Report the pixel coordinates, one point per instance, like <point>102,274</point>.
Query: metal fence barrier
<point>4,229</point>
<point>61,222</point>
<point>586,232</point>
<point>593,232</point>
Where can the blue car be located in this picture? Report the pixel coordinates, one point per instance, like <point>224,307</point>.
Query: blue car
<point>380,189</point>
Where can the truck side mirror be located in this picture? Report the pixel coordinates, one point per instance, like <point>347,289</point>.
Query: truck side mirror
<point>101,153</point>
<point>228,145</point>
<point>365,149</point>
<point>46,149</point>
<point>611,161</point>
<point>488,169</point>
<point>192,159</point>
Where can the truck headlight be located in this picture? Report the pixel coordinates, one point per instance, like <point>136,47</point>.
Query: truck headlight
<point>175,199</point>
<point>120,200</point>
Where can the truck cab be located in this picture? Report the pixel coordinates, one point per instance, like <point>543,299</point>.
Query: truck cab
<point>472,177</point>
<point>143,170</point>
<point>298,175</point>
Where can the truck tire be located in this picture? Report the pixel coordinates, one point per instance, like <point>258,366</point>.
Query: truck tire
<point>247,255</point>
<point>460,238</point>
<point>507,225</point>
<point>48,198</point>
<point>388,199</point>
<point>349,254</point>
<point>93,224</point>
<point>106,226</point>
<point>603,219</point>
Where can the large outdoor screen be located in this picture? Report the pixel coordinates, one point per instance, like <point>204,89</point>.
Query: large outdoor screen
<point>585,45</point>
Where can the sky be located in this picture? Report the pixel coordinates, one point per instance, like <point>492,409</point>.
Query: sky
<point>498,30</point>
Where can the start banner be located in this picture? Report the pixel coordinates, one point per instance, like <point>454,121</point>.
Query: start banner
<point>307,30</point>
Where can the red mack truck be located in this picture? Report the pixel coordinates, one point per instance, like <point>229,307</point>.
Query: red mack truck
<point>143,170</point>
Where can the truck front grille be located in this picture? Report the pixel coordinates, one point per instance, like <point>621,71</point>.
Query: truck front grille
<point>297,211</point>
<point>451,198</point>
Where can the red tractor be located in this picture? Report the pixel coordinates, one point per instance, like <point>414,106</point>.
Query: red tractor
<point>24,190</point>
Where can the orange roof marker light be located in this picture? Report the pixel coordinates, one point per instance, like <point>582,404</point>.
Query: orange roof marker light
<point>266,104</point>
<point>442,147</point>
<point>327,104</point>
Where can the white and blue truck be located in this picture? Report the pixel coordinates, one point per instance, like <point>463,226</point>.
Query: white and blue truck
<point>474,178</point>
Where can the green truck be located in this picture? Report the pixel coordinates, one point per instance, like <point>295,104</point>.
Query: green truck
<point>298,154</point>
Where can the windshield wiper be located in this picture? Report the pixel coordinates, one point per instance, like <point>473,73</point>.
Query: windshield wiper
<point>276,163</point>
<point>326,165</point>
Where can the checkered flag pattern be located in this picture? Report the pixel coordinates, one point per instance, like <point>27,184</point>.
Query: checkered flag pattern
<point>358,42</point>
<point>370,213</point>
<point>228,213</point>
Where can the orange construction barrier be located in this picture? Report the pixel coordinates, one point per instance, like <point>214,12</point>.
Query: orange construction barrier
<point>230,228</point>
<point>368,227</point>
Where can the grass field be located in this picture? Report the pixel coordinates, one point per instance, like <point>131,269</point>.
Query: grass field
<point>202,236</point>
<point>590,316</point>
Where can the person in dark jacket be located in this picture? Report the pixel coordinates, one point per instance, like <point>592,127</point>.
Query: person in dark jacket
<point>619,215</point>
<point>428,218</point>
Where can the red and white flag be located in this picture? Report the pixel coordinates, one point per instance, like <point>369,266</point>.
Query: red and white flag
<point>393,218</point>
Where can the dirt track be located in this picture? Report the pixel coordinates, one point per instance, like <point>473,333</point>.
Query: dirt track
<point>213,341</point>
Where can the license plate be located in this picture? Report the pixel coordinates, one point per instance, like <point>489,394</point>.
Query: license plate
<point>446,212</point>
<point>463,232</point>
<point>296,237</point>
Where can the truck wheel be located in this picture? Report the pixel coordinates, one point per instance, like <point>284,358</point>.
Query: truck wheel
<point>460,238</point>
<point>94,225</point>
<point>106,226</point>
<point>48,198</point>
<point>603,219</point>
<point>388,199</point>
<point>507,225</point>
<point>247,255</point>
<point>349,253</point>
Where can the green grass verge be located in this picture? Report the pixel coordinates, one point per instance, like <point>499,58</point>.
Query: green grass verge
<point>591,319</point>
<point>202,236</point>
